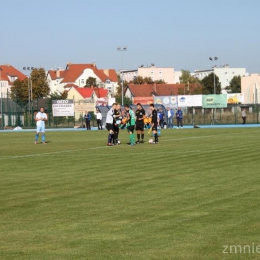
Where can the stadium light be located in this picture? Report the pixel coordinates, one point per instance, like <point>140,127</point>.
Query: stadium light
<point>122,74</point>
<point>215,58</point>
<point>30,94</point>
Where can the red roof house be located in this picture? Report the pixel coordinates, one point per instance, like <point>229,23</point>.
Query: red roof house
<point>77,74</point>
<point>8,74</point>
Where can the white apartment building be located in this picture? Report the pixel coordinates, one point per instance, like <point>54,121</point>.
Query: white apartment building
<point>166,74</point>
<point>224,73</point>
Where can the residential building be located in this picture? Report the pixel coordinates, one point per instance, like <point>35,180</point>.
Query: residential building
<point>225,74</point>
<point>250,86</point>
<point>166,74</point>
<point>128,75</point>
<point>8,74</point>
<point>91,94</point>
<point>177,75</point>
<point>148,90</point>
<point>75,75</point>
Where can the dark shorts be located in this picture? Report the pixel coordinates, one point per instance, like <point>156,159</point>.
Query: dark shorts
<point>110,127</point>
<point>131,128</point>
<point>139,127</point>
<point>154,128</point>
<point>116,128</point>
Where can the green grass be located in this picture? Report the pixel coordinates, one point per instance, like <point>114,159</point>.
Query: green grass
<point>75,198</point>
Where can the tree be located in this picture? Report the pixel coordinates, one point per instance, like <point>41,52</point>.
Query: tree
<point>91,81</point>
<point>190,89</point>
<point>234,85</point>
<point>57,95</point>
<point>40,86</point>
<point>119,88</point>
<point>208,84</point>
<point>21,89</point>
<point>139,80</point>
<point>127,100</point>
<point>192,85</point>
<point>160,81</point>
<point>148,80</point>
<point>186,78</point>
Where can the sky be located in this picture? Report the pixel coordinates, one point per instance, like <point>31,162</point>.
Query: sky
<point>181,34</point>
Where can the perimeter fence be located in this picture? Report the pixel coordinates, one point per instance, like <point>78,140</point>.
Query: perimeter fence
<point>15,114</point>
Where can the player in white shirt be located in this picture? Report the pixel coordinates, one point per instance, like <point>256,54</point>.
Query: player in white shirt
<point>110,124</point>
<point>40,119</point>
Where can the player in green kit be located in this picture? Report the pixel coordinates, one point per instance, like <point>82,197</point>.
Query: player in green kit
<point>130,124</point>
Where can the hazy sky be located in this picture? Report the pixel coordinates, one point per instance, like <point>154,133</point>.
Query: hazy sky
<point>182,34</point>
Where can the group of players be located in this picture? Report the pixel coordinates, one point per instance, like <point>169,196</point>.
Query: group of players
<point>115,118</point>
<point>133,121</point>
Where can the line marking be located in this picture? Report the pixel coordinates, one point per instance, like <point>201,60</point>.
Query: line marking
<point>102,147</point>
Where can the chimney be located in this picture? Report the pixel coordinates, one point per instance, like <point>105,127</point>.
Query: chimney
<point>57,73</point>
<point>94,64</point>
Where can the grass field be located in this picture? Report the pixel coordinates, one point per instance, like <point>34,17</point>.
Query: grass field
<point>193,196</point>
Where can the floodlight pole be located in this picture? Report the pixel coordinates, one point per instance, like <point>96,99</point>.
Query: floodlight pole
<point>215,58</point>
<point>30,94</point>
<point>122,74</point>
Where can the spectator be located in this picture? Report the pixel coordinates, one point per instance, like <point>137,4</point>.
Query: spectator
<point>179,117</point>
<point>99,119</point>
<point>87,118</point>
<point>161,117</point>
<point>169,118</point>
<point>244,116</point>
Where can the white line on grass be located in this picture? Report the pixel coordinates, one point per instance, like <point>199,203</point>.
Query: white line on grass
<point>50,153</point>
<point>102,147</point>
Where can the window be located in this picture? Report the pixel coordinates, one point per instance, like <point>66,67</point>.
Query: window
<point>13,78</point>
<point>82,81</point>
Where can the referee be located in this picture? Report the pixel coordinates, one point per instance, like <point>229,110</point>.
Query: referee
<point>139,125</point>
<point>154,123</point>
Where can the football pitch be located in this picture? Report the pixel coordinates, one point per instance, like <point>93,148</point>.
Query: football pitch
<point>195,195</point>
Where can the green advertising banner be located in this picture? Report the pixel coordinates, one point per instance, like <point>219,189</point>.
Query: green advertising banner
<point>214,101</point>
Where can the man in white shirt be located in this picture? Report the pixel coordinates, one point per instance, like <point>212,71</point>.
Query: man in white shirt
<point>169,118</point>
<point>40,119</point>
<point>110,124</point>
<point>99,120</point>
